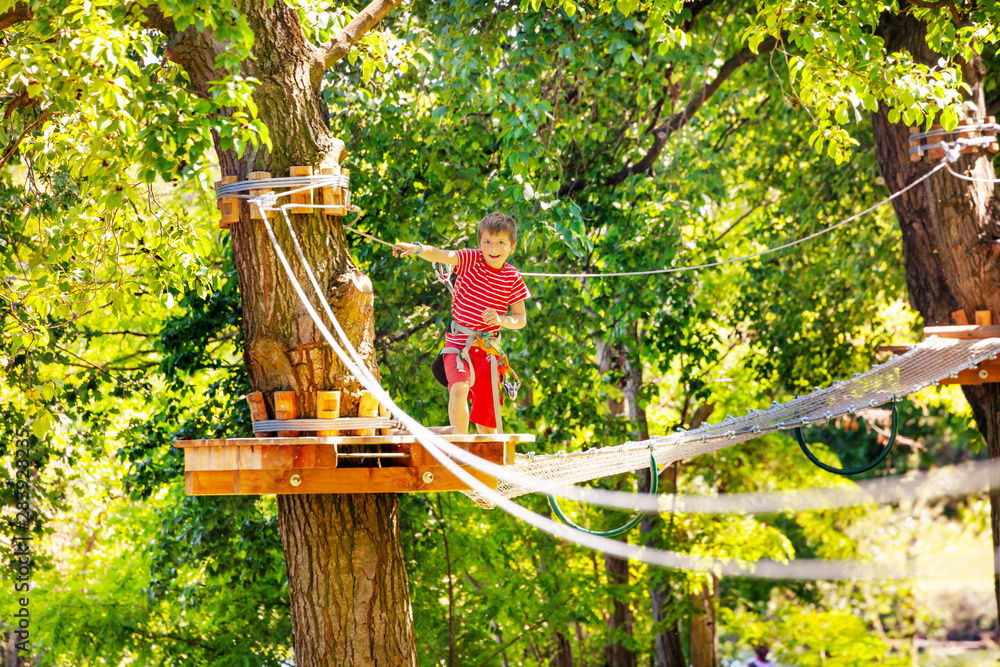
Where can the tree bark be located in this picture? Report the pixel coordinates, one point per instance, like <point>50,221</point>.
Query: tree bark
<point>616,654</point>
<point>703,636</point>
<point>349,591</point>
<point>950,232</point>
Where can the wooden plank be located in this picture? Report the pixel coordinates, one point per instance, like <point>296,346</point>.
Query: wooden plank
<point>984,318</point>
<point>937,152</point>
<point>255,213</point>
<point>258,410</point>
<point>212,482</point>
<point>304,197</point>
<point>960,318</point>
<point>384,413</point>
<point>332,196</point>
<point>970,119</point>
<point>327,407</point>
<point>211,458</point>
<point>285,408</point>
<point>368,406</point>
<point>914,157</point>
<point>229,206</point>
<point>354,440</point>
<point>349,480</point>
<point>248,457</point>
<point>970,332</point>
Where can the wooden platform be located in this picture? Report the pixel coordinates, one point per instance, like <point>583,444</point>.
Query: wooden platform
<point>259,466</point>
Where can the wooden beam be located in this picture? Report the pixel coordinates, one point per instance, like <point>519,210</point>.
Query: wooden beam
<point>304,197</point>
<point>327,407</point>
<point>353,440</point>
<point>367,407</point>
<point>970,332</point>
<point>985,373</point>
<point>329,480</point>
<point>984,318</point>
<point>255,213</point>
<point>960,318</point>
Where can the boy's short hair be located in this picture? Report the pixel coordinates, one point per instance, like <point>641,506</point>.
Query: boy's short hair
<point>495,223</point>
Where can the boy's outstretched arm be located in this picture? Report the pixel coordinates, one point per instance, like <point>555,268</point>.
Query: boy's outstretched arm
<point>424,251</point>
<point>516,320</point>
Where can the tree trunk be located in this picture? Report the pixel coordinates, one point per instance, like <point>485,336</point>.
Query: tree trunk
<point>703,636</point>
<point>347,577</point>
<point>950,232</point>
<point>616,654</point>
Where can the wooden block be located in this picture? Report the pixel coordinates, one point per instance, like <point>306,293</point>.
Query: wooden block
<point>332,196</point>
<point>326,456</point>
<point>384,413</point>
<point>914,143</point>
<point>304,197</point>
<point>367,407</point>
<point>327,407</point>
<point>285,408</point>
<point>255,213</point>
<point>229,206</point>
<point>983,318</point>
<point>971,332</point>
<point>959,317</point>
<point>352,480</point>
<point>258,410</point>
<point>994,146</point>
<point>937,152</point>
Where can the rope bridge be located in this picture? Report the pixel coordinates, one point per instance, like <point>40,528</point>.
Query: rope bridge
<point>925,364</point>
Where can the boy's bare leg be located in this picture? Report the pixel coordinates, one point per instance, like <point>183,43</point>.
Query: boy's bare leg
<point>486,430</point>
<point>458,407</point>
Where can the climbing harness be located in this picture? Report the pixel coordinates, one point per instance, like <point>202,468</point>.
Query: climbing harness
<point>853,471</point>
<point>654,487</point>
<point>499,364</point>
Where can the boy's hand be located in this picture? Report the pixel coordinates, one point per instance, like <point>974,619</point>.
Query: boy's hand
<point>406,249</point>
<point>491,317</point>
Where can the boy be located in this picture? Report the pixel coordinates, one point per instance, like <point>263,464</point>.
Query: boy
<point>486,285</point>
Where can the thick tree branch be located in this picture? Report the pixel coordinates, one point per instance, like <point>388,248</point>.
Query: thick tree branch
<point>338,47</point>
<point>20,13</point>
<point>681,118</point>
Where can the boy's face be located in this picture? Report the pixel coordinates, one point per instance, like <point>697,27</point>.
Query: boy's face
<point>496,248</point>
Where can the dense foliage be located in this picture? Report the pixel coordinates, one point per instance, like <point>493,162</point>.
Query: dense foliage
<point>625,137</point>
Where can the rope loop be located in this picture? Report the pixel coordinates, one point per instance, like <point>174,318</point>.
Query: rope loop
<point>654,487</point>
<point>853,471</point>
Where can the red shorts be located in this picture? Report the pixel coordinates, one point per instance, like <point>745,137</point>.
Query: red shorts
<point>481,392</point>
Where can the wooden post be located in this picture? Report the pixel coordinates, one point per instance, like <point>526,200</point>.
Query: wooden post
<point>327,407</point>
<point>255,213</point>
<point>970,119</point>
<point>937,152</point>
<point>331,195</point>
<point>284,408</point>
<point>258,411</point>
<point>915,143</point>
<point>384,413</point>
<point>230,206</point>
<point>367,407</point>
<point>994,146</point>
<point>304,197</point>
<point>346,191</point>
<point>960,318</point>
<point>983,318</point>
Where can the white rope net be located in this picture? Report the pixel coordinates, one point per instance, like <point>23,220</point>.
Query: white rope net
<point>932,360</point>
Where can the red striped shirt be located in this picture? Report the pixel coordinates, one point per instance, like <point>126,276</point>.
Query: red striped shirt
<point>479,286</point>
